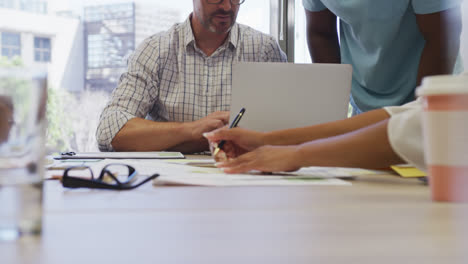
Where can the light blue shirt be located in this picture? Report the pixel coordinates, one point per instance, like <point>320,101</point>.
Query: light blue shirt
<point>382,41</point>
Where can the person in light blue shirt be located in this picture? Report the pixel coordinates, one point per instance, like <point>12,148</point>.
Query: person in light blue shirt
<point>391,44</point>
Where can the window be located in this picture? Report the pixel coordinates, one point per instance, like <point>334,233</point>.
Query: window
<point>110,34</point>
<point>42,49</point>
<point>92,40</point>
<point>6,3</point>
<point>11,44</point>
<point>301,51</point>
<point>34,6</point>
<point>256,14</point>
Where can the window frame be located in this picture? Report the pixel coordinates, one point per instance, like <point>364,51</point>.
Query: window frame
<point>10,47</point>
<point>41,50</point>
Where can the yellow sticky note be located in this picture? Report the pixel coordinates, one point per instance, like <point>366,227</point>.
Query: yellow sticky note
<point>407,171</point>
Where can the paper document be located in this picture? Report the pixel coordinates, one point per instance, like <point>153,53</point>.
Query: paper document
<point>64,164</point>
<point>121,155</point>
<point>200,173</point>
<point>203,173</point>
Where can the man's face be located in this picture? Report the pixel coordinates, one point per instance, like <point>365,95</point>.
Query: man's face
<point>217,18</point>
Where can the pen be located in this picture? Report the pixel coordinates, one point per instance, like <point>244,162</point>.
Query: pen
<point>70,153</point>
<point>233,124</point>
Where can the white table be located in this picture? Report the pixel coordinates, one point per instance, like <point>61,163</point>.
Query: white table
<point>379,219</point>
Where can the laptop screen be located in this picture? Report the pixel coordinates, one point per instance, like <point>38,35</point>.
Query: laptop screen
<point>285,95</point>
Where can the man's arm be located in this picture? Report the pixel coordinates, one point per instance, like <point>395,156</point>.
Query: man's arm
<point>122,126</point>
<point>139,134</point>
<point>442,32</point>
<point>322,37</point>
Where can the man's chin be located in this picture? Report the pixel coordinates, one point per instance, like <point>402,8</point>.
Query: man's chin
<point>220,29</point>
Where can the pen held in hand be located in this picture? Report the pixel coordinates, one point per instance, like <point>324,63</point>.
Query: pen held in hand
<point>233,124</point>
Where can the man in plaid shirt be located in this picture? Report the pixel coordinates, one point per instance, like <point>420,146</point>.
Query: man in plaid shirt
<point>178,83</point>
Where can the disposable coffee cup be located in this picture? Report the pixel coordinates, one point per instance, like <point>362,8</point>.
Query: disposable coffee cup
<point>445,132</point>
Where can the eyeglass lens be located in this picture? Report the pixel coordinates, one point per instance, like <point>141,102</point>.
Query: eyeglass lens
<point>79,172</point>
<point>117,173</point>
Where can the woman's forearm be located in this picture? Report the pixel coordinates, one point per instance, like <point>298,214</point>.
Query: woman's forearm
<point>305,134</point>
<point>368,147</point>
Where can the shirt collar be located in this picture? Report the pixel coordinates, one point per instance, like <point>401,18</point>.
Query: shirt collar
<point>234,35</point>
<point>189,38</point>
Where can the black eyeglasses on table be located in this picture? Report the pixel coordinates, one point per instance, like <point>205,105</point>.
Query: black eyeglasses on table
<point>113,176</point>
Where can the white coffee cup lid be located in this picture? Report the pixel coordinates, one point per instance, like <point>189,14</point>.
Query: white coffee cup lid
<point>443,84</point>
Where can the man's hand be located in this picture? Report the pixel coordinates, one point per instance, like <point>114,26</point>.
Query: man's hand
<point>265,159</point>
<point>209,123</point>
<point>238,141</point>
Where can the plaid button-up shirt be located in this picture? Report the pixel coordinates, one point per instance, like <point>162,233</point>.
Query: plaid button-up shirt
<point>170,79</point>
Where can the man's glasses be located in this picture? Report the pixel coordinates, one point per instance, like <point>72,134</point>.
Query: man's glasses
<point>233,2</point>
<point>112,176</point>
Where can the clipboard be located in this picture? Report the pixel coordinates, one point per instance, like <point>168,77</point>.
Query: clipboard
<point>120,155</point>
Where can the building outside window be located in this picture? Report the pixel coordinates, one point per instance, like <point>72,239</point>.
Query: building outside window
<point>7,3</point>
<point>34,6</point>
<point>11,44</point>
<point>110,39</point>
<point>42,49</point>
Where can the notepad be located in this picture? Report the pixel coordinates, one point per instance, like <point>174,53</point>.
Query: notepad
<point>408,171</point>
<point>121,155</point>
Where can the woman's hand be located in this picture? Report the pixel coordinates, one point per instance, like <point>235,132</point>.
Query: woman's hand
<point>265,159</point>
<point>238,142</point>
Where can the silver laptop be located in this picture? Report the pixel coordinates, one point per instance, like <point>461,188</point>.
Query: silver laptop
<point>285,95</point>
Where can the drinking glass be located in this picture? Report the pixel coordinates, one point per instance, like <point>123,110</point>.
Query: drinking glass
<point>23,94</point>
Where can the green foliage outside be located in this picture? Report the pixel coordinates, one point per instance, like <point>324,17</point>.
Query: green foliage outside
<point>59,129</point>
<point>59,133</point>
<point>16,86</point>
<point>7,63</point>
<point>73,119</point>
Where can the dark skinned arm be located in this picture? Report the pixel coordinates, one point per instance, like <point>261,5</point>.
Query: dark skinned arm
<point>322,37</point>
<point>442,32</point>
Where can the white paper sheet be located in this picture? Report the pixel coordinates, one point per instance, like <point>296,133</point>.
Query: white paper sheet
<point>203,173</point>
